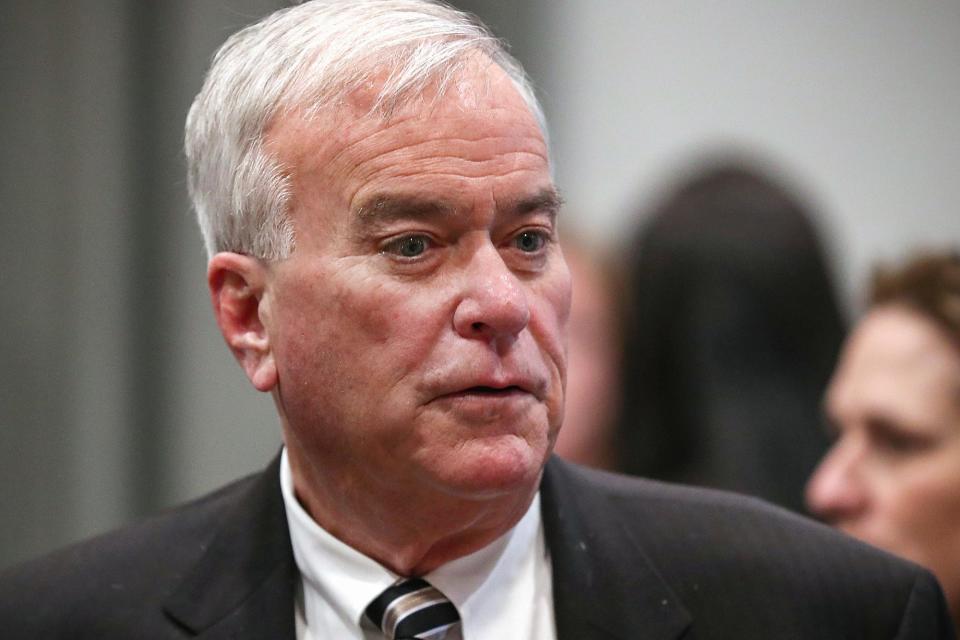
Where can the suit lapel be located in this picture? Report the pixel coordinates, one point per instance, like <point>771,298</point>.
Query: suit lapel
<point>244,584</point>
<point>604,585</point>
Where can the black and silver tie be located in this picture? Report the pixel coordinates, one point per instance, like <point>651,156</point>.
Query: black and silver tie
<point>412,609</point>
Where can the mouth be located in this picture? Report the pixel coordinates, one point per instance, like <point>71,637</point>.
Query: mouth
<point>483,391</point>
<point>488,403</point>
<point>485,403</point>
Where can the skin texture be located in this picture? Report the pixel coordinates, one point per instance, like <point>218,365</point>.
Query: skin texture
<point>893,476</point>
<point>414,340</point>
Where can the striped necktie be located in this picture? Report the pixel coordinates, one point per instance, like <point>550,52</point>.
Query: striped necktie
<point>412,609</point>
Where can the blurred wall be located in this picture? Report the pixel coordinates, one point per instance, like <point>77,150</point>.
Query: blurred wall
<point>855,102</point>
<point>117,395</point>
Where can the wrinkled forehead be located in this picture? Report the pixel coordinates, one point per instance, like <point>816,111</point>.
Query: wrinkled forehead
<point>474,82</point>
<point>473,78</point>
<point>305,138</point>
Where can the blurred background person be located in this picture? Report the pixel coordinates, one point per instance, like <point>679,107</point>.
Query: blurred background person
<point>593,355</point>
<point>731,333</point>
<point>893,476</point>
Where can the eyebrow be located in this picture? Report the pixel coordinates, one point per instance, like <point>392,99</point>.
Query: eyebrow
<point>385,208</point>
<point>547,199</point>
<point>391,207</point>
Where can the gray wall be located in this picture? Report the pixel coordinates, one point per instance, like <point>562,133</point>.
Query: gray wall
<point>855,102</point>
<point>117,395</point>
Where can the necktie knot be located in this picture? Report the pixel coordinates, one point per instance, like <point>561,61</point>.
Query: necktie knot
<point>412,609</point>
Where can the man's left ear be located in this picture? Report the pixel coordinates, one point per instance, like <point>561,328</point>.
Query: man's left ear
<point>237,284</point>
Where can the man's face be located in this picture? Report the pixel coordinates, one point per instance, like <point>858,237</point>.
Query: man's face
<point>418,326</point>
<point>893,476</point>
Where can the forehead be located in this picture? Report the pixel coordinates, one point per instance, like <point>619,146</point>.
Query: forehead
<point>897,361</point>
<point>479,130</point>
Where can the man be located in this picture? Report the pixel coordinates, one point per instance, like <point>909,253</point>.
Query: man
<point>373,185</point>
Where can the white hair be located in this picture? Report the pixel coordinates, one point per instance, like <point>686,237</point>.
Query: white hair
<point>312,56</point>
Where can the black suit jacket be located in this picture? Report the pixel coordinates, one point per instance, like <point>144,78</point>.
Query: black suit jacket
<point>631,559</point>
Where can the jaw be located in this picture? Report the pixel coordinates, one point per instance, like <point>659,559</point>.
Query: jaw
<point>462,503</point>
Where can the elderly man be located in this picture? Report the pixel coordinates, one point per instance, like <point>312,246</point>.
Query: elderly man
<point>373,185</point>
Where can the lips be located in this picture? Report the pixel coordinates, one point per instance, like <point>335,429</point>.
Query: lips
<point>486,404</point>
<point>485,390</point>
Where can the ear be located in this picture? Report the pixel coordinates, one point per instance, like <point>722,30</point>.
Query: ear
<point>237,286</point>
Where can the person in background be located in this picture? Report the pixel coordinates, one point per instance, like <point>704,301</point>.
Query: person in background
<point>593,354</point>
<point>892,477</point>
<point>732,330</point>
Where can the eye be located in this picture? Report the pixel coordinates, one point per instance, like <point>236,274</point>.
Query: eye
<point>530,241</point>
<point>410,246</point>
<point>897,440</point>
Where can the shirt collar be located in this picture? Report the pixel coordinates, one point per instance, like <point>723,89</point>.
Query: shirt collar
<point>345,578</point>
<point>484,575</point>
<point>348,580</point>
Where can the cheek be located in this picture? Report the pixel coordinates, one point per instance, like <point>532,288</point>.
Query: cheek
<point>919,519</point>
<point>920,508</point>
<point>548,325</point>
<point>360,334</point>
<point>550,330</point>
<point>933,493</point>
<point>549,336</point>
<point>551,306</point>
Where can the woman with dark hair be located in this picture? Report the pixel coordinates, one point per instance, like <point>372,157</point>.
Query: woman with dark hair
<point>731,334</point>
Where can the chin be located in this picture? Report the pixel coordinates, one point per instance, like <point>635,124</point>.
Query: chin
<point>491,467</point>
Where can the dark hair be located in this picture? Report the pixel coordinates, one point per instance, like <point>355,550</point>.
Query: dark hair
<point>928,283</point>
<point>732,333</point>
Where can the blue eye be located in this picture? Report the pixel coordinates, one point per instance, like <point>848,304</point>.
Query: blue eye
<point>408,246</point>
<point>530,241</point>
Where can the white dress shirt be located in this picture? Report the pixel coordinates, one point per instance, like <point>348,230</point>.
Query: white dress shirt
<point>501,591</point>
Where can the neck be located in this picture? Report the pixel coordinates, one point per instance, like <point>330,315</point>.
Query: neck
<point>407,533</point>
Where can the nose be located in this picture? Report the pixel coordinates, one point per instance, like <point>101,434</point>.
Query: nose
<point>494,305</point>
<point>836,492</point>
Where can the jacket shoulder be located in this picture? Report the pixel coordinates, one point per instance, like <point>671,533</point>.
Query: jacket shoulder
<point>678,518</point>
<point>744,565</point>
<point>129,572</point>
